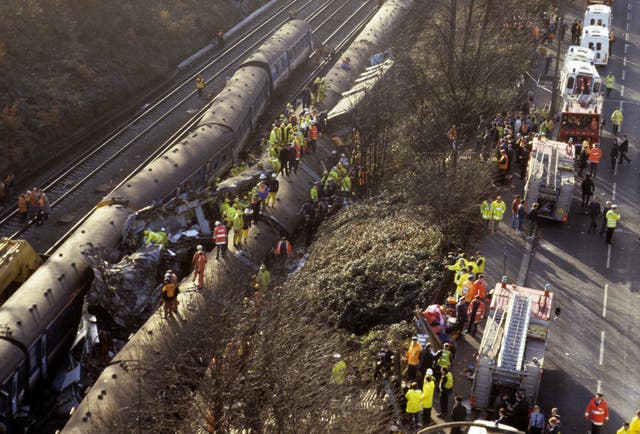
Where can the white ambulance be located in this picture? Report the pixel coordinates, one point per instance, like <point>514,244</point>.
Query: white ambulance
<point>596,38</point>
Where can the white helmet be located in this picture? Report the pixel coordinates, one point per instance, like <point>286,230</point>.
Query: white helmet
<point>217,223</point>
<point>200,248</point>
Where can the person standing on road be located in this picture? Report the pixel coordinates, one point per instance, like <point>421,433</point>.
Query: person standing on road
<point>574,32</point>
<point>609,82</point>
<point>582,160</point>
<point>413,397</point>
<point>615,150</point>
<point>587,190</point>
<point>533,218</point>
<point>446,386</point>
<point>522,212</point>
<point>597,412</point>
<point>634,426</point>
<point>594,158</point>
<point>514,211</point>
<point>458,414</point>
<point>536,421</point>
<point>612,217</point>
<point>476,312</point>
<point>594,212</point>
<point>498,207</point>
<point>624,148</point>
<point>616,121</point>
<point>220,239</point>
<point>607,207</point>
<point>624,429</point>
<point>486,212</point>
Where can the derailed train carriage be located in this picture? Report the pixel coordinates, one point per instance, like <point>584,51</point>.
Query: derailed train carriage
<point>109,402</point>
<point>38,322</point>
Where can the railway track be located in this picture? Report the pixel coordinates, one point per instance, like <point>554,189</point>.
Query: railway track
<point>78,187</point>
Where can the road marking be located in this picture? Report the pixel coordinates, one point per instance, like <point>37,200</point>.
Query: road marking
<point>599,386</point>
<point>601,358</point>
<point>626,46</point>
<point>625,33</point>
<point>615,169</point>
<point>604,302</point>
<point>623,71</point>
<point>628,16</point>
<point>608,255</point>
<point>613,195</point>
<point>629,7</point>
<point>624,62</point>
<point>621,91</point>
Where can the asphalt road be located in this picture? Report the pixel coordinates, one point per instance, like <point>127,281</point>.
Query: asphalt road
<point>594,344</point>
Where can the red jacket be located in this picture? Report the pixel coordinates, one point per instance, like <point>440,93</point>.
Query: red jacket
<point>220,234</point>
<point>597,413</point>
<point>479,311</point>
<point>287,248</point>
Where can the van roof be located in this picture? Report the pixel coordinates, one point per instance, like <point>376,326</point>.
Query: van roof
<point>599,9</point>
<point>595,31</point>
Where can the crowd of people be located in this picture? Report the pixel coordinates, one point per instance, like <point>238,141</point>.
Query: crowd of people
<point>34,206</point>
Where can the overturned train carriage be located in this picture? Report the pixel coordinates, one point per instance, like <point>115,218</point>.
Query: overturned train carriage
<point>117,399</point>
<point>38,322</point>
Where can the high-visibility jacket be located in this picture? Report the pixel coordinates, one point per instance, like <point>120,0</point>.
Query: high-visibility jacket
<point>468,290</point>
<point>22,204</point>
<point>597,412</point>
<point>220,234</point>
<point>480,261</point>
<point>459,265</point>
<point>448,381</point>
<point>414,401</point>
<point>230,213</point>
<point>612,218</point>
<point>263,278</point>
<point>480,311</point>
<point>413,353</point>
<point>314,194</point>
<point>617,117</point>
<point>610,81</point>
<point>428,388</point>
<point>595,155</point>
<point>284,247</point>
<point>445,358</point>
<point>474,266</point>
<point>497,209</point>
<point>634,425</point>
<point>199,261</point>
<point>485,209</point>
<point>480,288</point>
<point>339,372</point>
<point>169,290</point>
<point>503,162</point>
<point>298,149</point>
<point>238,222</point>
<point>346,184</point>
<point>313,132</point>
<point>200,83</point>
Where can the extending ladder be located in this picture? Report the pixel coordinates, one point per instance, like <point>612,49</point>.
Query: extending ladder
<point>514,339</point>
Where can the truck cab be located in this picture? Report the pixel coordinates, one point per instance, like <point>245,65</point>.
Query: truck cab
<point>596,38</point>
<point>579,79</point>
<point>598,15</point>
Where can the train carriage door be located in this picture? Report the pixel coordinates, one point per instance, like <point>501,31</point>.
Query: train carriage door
<point>43,355</point>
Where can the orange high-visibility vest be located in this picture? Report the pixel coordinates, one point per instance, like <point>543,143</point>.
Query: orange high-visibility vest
<point>220,234</point>
<point>287,247</point>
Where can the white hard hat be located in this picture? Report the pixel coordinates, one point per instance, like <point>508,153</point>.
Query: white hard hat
<point>200,248</point>
<point>614,206</point>
<point>217,222</point>
<point>263,176</point>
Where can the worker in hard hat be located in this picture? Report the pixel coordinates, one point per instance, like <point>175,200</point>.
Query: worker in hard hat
<point>199,262</point>
<point>220,239</point>
<point>263,278</point>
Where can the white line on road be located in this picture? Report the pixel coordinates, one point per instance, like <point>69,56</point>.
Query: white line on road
<point>613,195</point>
<point>608,256</point>
<point>599,386</point>
<point>622,90</point>
<point>601,358</point>
<point>624,62</point>
<point>604,301</point>
<point>626,46</point>
<point>623,71</point>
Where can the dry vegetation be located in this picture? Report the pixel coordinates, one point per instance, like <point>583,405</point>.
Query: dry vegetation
<point>63,64</point>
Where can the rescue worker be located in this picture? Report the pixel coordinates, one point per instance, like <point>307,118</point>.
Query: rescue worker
<point>263,278</point>
<point>428,389</point>
<point>461,314</point>
<point>263,191</point>
<point>480,261</point>
<point>313,135</point>
<point>313,193</point>
<point>445,387</point>
<point>346,187</point>
<point>238,224</point>
<point>339,370</point>
<point>414,401</point>
<point>480,287</point>
<point>607,207</point>
<point>468,288</point>
<point>273,185</point>
<point>444,357</point>
<point>616,120</point>
<point>594,158</point>
<point>634,426</point>
<point>413,358</point>
<point>22,207</point>
<point>200,85</point>
<point>612,217</point>
<point>503,165</point>
<point>498,207</point>
<point>514,210</point>
<point>458,414</point>
<point>282,251</point>
<point>597,412</point>
<point>486,212</point>
<point>609,82</point>
<point>624,429</point>
<point>159,237</point>
<point>229,214</point>
<point>170,297</point>
<point>246,224</point>
<point>220,40</point>
<point>220,239</point>
<point>199,262</point>
<point>171,276</point>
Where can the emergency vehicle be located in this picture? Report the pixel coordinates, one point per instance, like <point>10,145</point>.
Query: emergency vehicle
<point>581,118</point>
<point>576,52</point>
<point>596,38</point>
<point>511,355</point>
<point>579,78</point>
<point>598,15</point>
